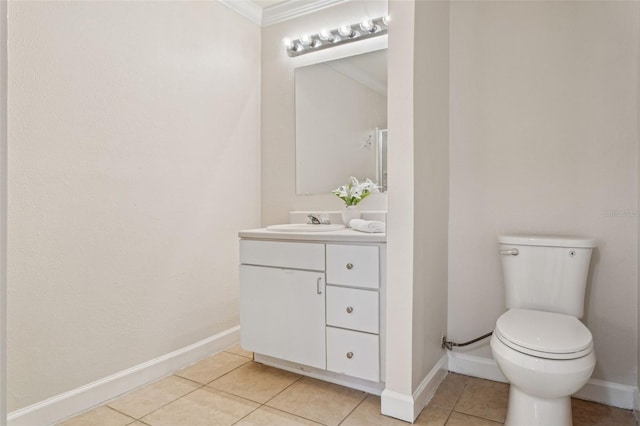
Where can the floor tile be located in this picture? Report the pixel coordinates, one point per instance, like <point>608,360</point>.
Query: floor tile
<point>586,413</point>
<point>459,419</point>
<point>237,349</point>
<point>433,416</point>
<point>368,413</point>
<point>102,416</point>
<point>267,416</point>
<point>151,397</point>
<point>449,391</point>
<point>484,398</point>
<point>212,367</point>
<point>319,401</point>
<point>202,407</point>
<point>255,381</point>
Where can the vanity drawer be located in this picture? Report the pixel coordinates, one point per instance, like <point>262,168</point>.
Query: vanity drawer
<point>352,308</point>
<point>355,266</point>
<point>282,254</point>
<point>353,353</point>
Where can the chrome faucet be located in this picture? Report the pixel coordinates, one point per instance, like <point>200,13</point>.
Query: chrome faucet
<point>318,219</point>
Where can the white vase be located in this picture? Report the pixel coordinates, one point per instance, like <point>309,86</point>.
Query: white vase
<point>350,213</point>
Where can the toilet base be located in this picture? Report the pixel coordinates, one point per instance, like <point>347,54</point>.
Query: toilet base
<point>527,410</point>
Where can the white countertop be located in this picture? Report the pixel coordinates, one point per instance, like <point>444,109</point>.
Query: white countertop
<point>343,235</point>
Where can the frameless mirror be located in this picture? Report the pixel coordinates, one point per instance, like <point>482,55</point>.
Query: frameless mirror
<point>341,121</point>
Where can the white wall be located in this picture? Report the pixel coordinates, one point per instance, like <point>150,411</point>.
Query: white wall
<point>401,215</point>
<point>3,213</point>
<point>278,109</point>
<point>418,201</point>
<point>431,185</point>
<point>134,161</point>
<point>544,139</point>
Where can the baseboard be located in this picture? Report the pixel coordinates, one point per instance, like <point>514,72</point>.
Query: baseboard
<point>475,366</point>
<point>636,405</point>
<point>429,385</point>
<point>609,393</point>
<point>81,399</point>
<point>408,407</point>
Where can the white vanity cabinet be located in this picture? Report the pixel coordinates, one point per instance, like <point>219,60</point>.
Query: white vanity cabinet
<point>315,303</point>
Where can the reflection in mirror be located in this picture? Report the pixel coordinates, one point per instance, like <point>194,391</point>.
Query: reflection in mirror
<point>341,121</point>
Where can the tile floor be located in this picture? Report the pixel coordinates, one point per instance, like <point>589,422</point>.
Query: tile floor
<point>228,388</point>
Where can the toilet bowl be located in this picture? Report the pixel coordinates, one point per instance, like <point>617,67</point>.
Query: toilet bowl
<point>539,344</point>
<point>546,357</point>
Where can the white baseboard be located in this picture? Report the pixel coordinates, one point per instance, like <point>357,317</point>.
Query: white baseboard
<point>81,399</point>
<point>429,385</point>
<point>408,407</point>
<point>636,405</point>
<point>475,366</point>
<point>609,393</point>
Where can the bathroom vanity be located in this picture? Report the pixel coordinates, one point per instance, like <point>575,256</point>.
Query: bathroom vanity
<point>313,303</point>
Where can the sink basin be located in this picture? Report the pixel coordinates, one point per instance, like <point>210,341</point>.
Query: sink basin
<point>304,227</point>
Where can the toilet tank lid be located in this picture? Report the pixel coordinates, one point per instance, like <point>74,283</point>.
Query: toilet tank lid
<point>547,240</point>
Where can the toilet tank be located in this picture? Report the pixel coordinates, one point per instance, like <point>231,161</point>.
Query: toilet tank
<point>548,273</point>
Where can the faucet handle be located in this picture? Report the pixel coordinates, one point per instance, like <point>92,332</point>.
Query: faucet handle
<point>314,219</point>
<point>318,219</point>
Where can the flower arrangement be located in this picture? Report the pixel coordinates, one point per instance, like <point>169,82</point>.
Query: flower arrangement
<point>354,192</point>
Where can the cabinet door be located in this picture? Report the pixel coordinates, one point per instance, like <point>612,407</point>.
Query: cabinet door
<point>282,314</point>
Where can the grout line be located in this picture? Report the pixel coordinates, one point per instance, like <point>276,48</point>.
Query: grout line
<point>170,402</point>
<point>291,384</point>
<point>234,395</point>
<point>246,415</point>
<point>354,408</point>
<point>230,371</point>
<point>448,417</point>
<point>244,356</point>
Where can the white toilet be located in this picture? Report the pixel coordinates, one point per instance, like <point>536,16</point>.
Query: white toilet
<point>540,345</point>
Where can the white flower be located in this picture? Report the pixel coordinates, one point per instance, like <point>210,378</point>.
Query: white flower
<point>354,192</point>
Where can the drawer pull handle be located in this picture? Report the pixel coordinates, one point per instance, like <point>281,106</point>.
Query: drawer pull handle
<point>349,265</point>
<point>349,309</point>
<point>318,285</point>
<point>349,355</point>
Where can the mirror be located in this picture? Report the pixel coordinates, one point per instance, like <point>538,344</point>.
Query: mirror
<point>341,121</point>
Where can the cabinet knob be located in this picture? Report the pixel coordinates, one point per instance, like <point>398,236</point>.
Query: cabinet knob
<point>349,265</point>
<point>349,309</point>
<point>349,355</point>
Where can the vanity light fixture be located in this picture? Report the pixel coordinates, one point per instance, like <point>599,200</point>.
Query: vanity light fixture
<point>308,43</point>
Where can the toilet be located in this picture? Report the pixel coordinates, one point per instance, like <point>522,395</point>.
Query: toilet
<point>540,345</point>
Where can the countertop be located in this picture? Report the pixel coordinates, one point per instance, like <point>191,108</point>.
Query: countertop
<point>343,235</point>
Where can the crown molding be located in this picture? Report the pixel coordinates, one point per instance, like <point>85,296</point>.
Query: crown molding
<point>278,12</point>
<point>293,8</point>
<point>246,8</point>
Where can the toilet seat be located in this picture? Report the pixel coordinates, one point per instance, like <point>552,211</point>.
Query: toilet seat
<point>544,334</point>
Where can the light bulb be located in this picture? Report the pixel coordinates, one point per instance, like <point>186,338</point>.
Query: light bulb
<point>367,25</point>
<point>288,43</point>
<point>386,19</point>
<point>346,31</point>
<point>306,40</point>
<point>325,35</point>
